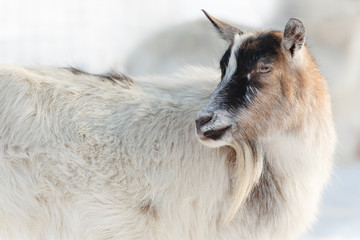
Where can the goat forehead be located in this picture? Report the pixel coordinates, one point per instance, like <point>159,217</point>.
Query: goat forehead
<point>233,60</point>
<point>248,48</point>
<point>261,45</point>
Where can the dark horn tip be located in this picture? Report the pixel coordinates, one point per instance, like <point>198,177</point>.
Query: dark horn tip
<point>206,14</point>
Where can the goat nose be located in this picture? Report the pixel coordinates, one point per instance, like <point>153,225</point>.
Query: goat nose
<point>203,118</point>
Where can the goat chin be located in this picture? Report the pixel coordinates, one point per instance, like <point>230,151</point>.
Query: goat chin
<point>212,143</point>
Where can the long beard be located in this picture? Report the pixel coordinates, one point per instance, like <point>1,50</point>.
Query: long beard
<point>246,173</point>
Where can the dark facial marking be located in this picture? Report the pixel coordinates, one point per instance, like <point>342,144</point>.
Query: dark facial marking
<point>234,93</point>
<point>262,47</point>
<point>225,61</point>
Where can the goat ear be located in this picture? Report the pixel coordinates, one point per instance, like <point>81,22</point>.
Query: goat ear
<point>227,31</point>
<point>294,35</point>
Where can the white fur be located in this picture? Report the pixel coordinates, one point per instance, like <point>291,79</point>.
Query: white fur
<point>232,65</point>
<point>82,158</point>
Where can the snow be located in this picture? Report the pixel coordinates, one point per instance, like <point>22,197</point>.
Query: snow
<point>339,217</point>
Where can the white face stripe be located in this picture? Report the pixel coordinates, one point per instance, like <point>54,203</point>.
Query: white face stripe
<point>232,65</point>
<point>238,40</point>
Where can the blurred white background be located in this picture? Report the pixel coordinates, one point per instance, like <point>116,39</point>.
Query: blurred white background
<point>97,34</point>
<point>141,37</point>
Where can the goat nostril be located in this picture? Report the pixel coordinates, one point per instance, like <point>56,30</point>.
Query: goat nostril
<point>202,119</point>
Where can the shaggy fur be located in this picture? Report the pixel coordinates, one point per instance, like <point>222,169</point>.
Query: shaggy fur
<point>82,157</point>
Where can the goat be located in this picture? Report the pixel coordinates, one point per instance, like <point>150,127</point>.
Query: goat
<point>111,157</point>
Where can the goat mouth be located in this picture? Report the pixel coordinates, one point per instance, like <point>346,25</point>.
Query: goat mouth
<point>215,134</point>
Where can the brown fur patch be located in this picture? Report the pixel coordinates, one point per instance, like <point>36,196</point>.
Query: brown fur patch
<point>117,77</point>
<point>267,193</point>
<point>112,77</point>
<point>148,208</point>
<point>76,71</point>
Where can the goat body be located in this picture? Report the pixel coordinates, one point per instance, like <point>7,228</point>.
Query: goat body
<point>109,157</point>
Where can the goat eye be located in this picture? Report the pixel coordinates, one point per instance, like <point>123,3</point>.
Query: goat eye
<point>265,69</point>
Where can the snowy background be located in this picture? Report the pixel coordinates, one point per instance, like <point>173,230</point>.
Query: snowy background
<point>141,37</point>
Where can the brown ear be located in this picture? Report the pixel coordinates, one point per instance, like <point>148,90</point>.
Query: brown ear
<point>294,35</point>
<point>226,31</point>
